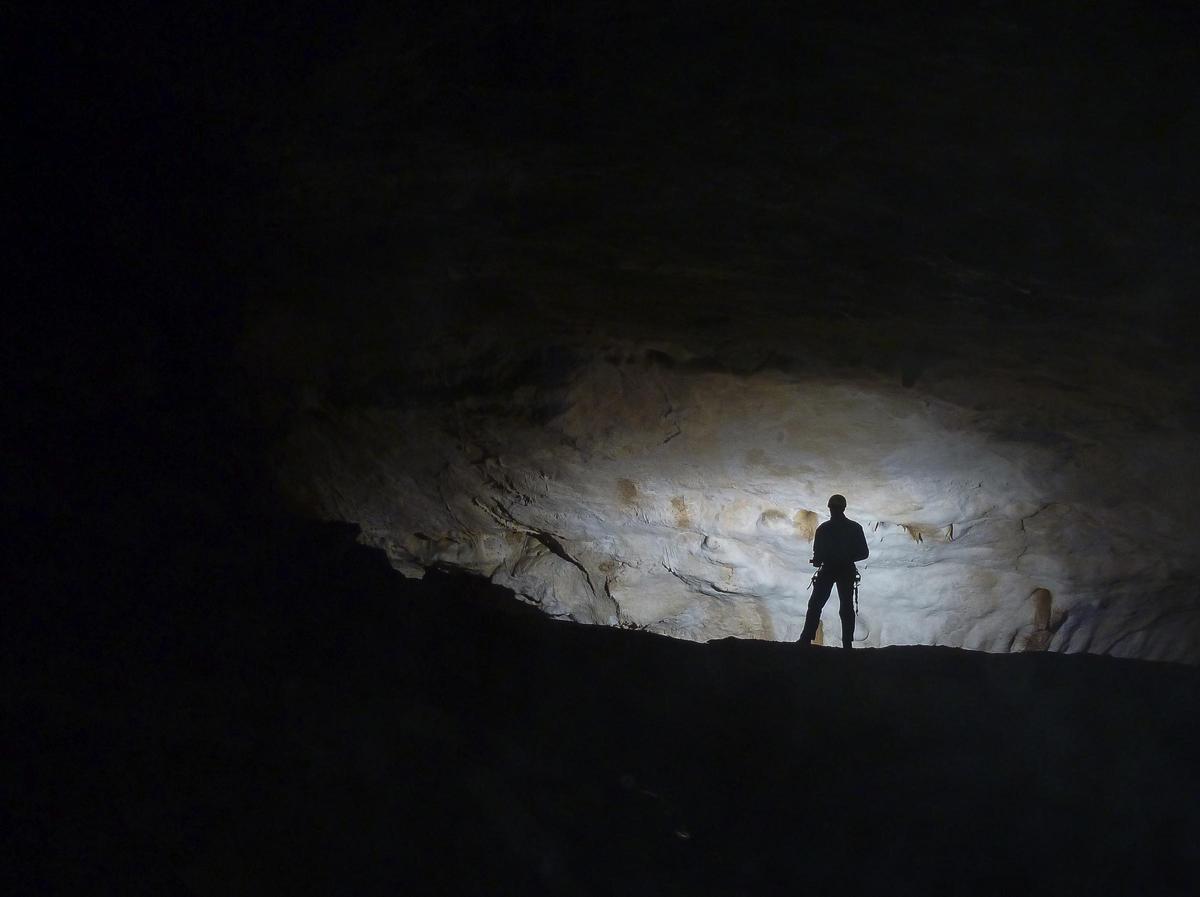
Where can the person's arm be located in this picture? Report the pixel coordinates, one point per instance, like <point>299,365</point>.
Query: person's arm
<point>862,552</point>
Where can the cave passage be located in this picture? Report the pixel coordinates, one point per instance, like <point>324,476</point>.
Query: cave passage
<point>421,425</point>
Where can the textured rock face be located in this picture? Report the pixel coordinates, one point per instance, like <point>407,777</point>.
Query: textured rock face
<point>605,310</point>
<point>645,486</point>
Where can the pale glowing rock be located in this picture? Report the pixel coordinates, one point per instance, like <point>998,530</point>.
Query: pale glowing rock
<point>1002,512</point>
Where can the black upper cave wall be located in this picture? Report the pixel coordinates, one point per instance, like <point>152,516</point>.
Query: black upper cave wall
<point>189,179</point>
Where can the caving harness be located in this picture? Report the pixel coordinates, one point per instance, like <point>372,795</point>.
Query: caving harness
<point>857,579</point>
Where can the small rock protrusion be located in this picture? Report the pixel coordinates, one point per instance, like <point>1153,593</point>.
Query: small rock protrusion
<point>805,523</point>
<point>627,491</point>
<point>1042,602</point>
<point>1045,620</point>
<point>683,517</point>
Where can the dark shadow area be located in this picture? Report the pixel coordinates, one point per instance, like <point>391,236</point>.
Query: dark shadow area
<point>285,714</point>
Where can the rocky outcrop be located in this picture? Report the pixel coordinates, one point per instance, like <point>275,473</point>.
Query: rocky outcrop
<point>650,486</point>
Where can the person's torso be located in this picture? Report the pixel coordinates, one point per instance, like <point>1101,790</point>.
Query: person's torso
<point>840,539</point>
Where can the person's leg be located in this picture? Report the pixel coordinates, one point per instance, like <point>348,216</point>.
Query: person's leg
<point>845,587</point>
<point>815,605</point>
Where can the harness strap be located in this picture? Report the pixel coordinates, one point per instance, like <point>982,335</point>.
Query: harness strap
<point>857,579</point>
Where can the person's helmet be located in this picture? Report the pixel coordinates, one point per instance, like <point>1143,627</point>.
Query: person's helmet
<point>837,502</point>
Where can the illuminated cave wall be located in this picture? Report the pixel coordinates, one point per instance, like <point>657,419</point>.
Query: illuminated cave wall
<point>610,332</point>
<point>641,485</point>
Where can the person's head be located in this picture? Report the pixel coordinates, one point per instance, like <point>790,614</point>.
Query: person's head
<point>837,504</point>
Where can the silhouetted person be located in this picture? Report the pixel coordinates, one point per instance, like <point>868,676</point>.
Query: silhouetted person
<point>838,544</point>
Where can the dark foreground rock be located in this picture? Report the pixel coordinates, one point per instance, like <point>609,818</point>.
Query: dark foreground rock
<point>276,711</point>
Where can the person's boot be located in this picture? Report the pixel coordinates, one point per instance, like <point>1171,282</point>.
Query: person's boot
<point>847,644</point>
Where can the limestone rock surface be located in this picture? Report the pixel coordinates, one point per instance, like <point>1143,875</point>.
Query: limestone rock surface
<point>610,333</point>
<point>664,486</point>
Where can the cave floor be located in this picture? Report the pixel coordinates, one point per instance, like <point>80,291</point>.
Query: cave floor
<point>303,720</point>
